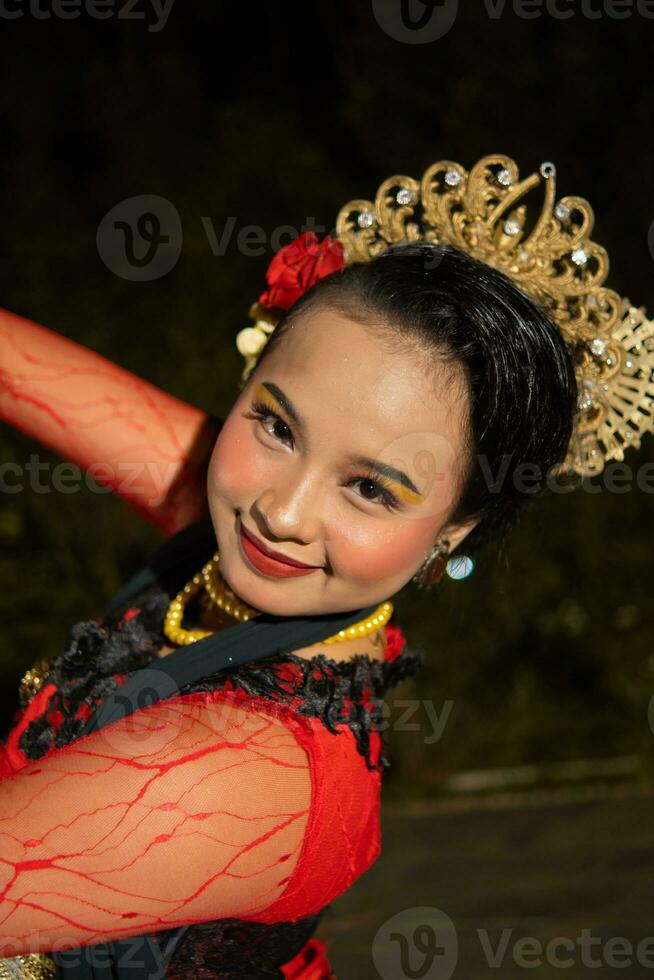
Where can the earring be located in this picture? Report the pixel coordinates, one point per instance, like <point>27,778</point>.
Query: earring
<point>460,567</point>
<point>433,568</point>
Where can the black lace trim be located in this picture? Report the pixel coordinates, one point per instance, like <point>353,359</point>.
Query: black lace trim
<point>95,650</point>
<point>234,949</point>
<point>337,692</point>
<point>347,692</point>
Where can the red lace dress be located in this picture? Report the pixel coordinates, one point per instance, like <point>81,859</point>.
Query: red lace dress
<point>240,809</point>
<point>220,821</point>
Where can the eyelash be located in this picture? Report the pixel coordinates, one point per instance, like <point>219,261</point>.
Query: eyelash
<point>388,498</point>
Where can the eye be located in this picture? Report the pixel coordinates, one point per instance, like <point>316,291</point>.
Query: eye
<point>380,490</point>
<point>271,421</point>
<point>265,414</point>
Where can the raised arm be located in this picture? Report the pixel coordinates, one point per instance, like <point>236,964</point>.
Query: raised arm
<point>189,810</point>
<point>148,446</point>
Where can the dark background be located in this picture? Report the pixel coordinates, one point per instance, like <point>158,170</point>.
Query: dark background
<point>272,114</point>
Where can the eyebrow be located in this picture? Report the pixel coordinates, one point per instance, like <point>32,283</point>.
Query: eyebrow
<point>285,402</point>
<point>384,469</point>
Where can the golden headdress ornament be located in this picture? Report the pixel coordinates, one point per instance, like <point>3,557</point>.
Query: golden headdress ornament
<point>549,255</point>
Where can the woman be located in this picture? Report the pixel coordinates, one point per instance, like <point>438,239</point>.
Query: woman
<point>399,378</point>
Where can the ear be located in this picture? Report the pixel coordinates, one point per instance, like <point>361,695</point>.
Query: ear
<point>455,533</point>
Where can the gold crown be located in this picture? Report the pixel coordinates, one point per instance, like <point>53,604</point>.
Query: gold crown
<point>548,253</point>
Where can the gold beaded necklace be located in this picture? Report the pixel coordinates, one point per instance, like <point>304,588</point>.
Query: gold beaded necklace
<point>210,581</point>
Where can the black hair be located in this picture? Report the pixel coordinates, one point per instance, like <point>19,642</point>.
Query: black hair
<point>519,370</point>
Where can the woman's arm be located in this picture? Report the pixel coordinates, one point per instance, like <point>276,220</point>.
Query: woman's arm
<point>150,447</point>
<point>188,810</point>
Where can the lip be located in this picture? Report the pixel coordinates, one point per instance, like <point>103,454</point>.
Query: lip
<point>265,560</point>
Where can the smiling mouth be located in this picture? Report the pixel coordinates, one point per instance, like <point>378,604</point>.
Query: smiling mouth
<point>251,541</point>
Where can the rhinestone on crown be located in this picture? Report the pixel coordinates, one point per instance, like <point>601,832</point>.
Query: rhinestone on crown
<point>405,196</point>
<point>486,212</point>
<point>579,256</point>
<point>552,258</point>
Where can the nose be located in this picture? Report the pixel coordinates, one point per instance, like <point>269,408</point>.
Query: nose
<point>290,510</point>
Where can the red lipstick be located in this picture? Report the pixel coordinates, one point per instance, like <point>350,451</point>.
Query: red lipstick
<point>265,560</point>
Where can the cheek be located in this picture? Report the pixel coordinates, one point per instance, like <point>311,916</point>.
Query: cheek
<point>368,554</point>
<point>235,467</point>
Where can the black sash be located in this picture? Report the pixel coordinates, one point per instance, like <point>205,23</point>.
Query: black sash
<point>139,957</point>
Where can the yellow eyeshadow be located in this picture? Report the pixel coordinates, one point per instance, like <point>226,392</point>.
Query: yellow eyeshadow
<point>262,394</point>
<point>408,496</point>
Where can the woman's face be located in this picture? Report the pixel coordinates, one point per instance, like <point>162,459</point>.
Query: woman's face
<point>287,469</point>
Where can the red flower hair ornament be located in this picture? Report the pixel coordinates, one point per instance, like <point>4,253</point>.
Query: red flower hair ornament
<point>292,272</point>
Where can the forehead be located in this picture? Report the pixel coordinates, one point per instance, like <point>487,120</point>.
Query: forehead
<point>346,364</point>
<point>353,386</point>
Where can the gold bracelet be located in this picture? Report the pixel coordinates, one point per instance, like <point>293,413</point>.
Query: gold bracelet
<point>30,966</point>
